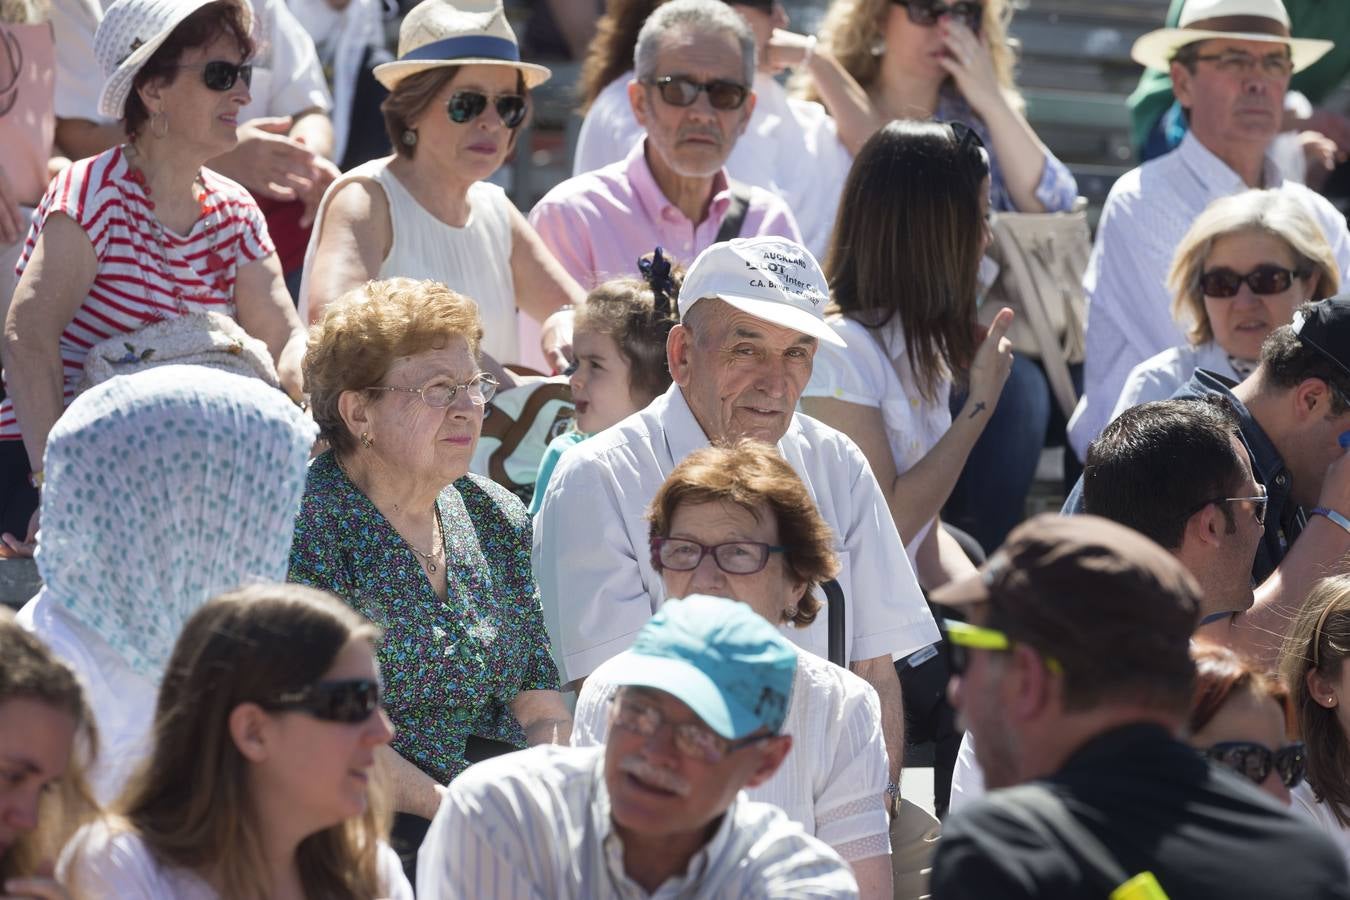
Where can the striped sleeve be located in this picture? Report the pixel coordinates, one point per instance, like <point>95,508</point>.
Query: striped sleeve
<point>251,240</point>
<point>80,192</point>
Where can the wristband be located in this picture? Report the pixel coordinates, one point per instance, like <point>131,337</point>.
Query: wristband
<point>1333,516</point>
<point>810,51</point>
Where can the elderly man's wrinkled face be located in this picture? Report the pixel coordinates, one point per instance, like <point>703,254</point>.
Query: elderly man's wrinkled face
<point>1236,94</point>
<point>693,141</point>
<point>740,375</point>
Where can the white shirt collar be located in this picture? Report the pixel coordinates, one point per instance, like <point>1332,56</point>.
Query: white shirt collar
<point>1217,175</point>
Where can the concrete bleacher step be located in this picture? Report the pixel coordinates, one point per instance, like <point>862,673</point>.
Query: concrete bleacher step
<point>19,581</point>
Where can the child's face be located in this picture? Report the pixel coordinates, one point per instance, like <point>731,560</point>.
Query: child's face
<point>600,382</point>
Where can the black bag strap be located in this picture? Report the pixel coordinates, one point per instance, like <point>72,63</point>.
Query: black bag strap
<point>834,602</point>
<point>735,217</point>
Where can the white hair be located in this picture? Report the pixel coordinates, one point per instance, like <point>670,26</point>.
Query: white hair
<point>705,16</point>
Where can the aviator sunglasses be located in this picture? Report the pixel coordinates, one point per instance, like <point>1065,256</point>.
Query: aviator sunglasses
<point>1264,279</point>
<point>927,12</point>
<point>465,106</point>
<point>350,701</point>
<point>219,75</point>
<point>679,90</point>
<point>1254,761</point>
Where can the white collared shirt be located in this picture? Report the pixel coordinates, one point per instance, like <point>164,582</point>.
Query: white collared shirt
<point>1159,376</point>
<point>593,565</point>
<point>831,782</point>
<point>1145,217</point>
<point>536,825</point>
<point>790,147</point>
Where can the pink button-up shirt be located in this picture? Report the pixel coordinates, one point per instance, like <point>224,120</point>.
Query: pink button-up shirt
<point>600,223</point>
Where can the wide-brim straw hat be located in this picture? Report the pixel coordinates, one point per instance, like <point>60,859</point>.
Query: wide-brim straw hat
<point>130,33</point>
<point>1243,20</point>
<point>439,33</point>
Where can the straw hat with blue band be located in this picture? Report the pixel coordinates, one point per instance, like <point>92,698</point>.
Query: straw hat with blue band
<point>1265,21</point>
<point>439,33</point>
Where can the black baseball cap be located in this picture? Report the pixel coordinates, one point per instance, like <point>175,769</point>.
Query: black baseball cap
<point>1325,326</point>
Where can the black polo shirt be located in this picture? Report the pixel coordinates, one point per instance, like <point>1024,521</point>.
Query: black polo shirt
<point>1154,805</point>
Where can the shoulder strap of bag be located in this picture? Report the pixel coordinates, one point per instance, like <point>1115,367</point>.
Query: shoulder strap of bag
<point>834,603</point>
<point>735,217</point>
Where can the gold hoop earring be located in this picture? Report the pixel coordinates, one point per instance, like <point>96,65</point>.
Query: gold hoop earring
<point>366,440</point>
<point>159,125</point>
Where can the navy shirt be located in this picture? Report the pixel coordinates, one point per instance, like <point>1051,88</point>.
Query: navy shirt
<point>1284,518</point>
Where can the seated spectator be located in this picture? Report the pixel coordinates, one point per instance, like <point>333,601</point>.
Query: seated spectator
<point>619,341</point>
<point>1312,663</point>
<point>142,232</point>
<point>751,315</point>
<point>1238,719</point>
<point>259,784</point>
<point>457,95</point>
<point>902,270</point>
<point>167,487</point>
<point>790,147</point>
<point>1233,88</point>
<point>743,502</point>
<point>653,812</point>
<point>46,740</point>
<point>1076,674</point>
<point>1242,269</point>
<point>672,189</point>
<point>392,523</point>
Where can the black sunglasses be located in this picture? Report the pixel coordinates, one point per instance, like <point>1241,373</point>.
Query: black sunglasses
<point>1264,279</point>
<point>677,90</point>
<point>465,106</point>
<point>1254,761</point>
<point>349,701</point>
<point>927,12</point>
<point>219,75</point>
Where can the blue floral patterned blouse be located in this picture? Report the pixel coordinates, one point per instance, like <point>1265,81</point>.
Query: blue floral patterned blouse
<point>450,668</point>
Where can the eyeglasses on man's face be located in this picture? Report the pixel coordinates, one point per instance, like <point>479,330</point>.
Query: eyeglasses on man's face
<point>695,740</point>
<point>963,637</point>
<point>733,557</point>
<point>1258,504</point>
<point>1235,62</point>
<point>441,393</point>
<point>680,90</point>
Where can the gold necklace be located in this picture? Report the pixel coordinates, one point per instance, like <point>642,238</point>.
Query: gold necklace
<point>428,560</point>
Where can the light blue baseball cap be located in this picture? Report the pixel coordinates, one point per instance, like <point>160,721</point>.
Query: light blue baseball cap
<point>720,658</point>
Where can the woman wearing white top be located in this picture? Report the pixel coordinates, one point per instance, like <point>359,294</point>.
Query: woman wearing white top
<point>902,268</point>
<point>458,92</point>
<point>260,781</point>
<point>737,522</point>
<point>1242,269</point>
<point>1312,664</point>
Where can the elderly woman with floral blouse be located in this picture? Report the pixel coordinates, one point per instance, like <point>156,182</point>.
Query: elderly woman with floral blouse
<point>392,522</point>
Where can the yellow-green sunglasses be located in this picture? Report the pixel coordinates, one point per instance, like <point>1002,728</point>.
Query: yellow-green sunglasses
<point>962,636</point>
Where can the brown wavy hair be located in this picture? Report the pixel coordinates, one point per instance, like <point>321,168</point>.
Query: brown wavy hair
<point>29,671</point>
<point>1219,674</point>
<point>907,243</point>
<point>626,310</point>
<point>751,475</point>
<point>852,27</point>
<point>189,801</point>
<point>611,51</point>
<point>1319,641</point>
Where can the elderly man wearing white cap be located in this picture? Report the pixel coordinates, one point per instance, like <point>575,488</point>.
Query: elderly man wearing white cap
<point>1230,62</point>
<point>751,317</point>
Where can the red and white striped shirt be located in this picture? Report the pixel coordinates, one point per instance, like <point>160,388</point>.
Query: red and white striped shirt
<point>146,273</point>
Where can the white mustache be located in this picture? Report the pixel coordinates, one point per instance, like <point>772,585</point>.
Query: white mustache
<point>662,778</point>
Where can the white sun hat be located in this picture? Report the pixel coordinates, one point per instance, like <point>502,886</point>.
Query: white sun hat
<point>130,33</point>
<point>1244,20</point>
<point>771,278</point>
<point>439,33</point>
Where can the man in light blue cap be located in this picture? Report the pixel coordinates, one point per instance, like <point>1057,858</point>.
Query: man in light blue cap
<point>659,809</point>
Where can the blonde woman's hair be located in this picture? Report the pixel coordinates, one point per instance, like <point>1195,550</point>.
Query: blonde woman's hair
<point>1275,213</point>
<point>189,802</point>
<point>1319,640</point>
<point>853,27</point>
<point>29,671</point>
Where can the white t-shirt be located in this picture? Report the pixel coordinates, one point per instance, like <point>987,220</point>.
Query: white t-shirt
<point>833,780</point>
<point>1305,805</point>
<point>102,864</point>
<point>868,374</point>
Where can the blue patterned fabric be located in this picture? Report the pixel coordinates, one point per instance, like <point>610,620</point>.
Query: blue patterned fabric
<point>164,488</point>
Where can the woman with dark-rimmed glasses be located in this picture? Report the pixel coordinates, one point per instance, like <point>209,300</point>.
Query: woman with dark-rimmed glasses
<point>458,96</point>
<point>262,781</point>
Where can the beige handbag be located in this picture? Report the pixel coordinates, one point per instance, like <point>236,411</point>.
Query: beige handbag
<point>1041,258</point>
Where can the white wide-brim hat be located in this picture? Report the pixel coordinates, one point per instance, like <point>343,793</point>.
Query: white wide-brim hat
<point>130,33</point>
<point>439,33</point>
<point>1156,49</point>
<point>771,278</point>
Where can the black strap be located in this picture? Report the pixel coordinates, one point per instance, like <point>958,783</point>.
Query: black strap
<point>735,217</point>
<point>834,601</point>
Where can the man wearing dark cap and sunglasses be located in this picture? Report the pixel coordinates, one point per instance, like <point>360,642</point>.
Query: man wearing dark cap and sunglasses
<point>692,94</point>
<point>1075,673</point>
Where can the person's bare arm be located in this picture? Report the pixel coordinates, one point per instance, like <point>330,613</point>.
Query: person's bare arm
<point>874,877</point>
<point>81,138</point>
<point>939,559</point>
<point>879,672</point>
<point>314,129</point>
<point>355,235</point>
<point>412,790</point>
<point>542,288</point>
<point>856,118</point>
<point>543,716</point>
<point>266,312</point>
<point>267,160</point>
